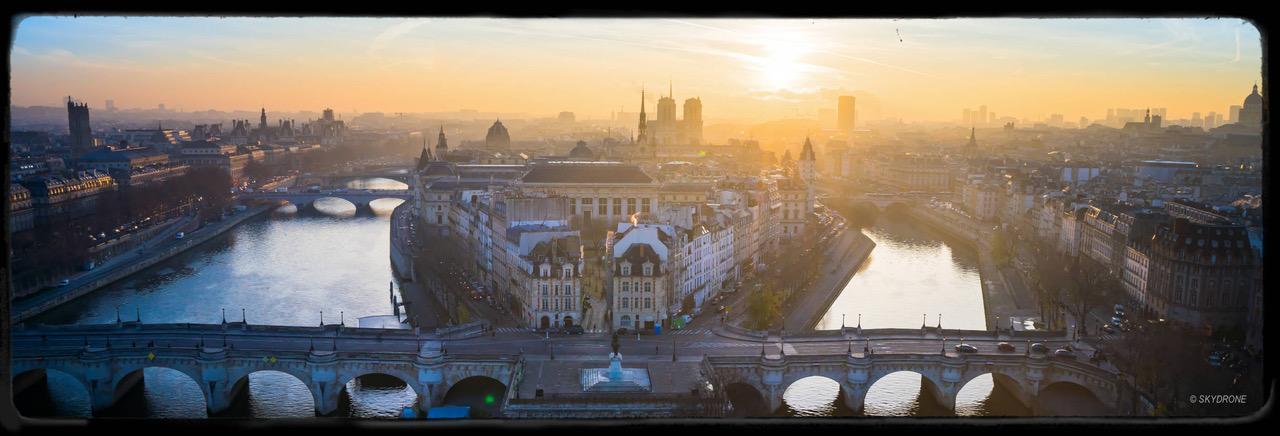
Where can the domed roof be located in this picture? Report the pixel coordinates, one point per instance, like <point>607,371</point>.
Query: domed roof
<point>497,131</point>
<point>582,152</point>
<point>1253,99</point>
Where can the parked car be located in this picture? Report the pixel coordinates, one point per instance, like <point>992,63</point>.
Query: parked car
<point>966,348</point>
<point>573,330</point>
<point>1039,347</point>
<point>1005,346</point>
<point>64,282</point>
<point>623,331</point>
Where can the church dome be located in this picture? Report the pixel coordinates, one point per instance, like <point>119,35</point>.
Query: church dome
<point>582,152</point>
<point>497,136</point>
<point>1253,100</point>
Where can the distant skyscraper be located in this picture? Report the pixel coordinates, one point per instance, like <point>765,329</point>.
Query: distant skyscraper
<point>1196,121</point>
<point>111,105</point>
<point>845,120</point>
<point>1084,122</point>
<point>1162,112</point>
<point>161,106</point>
<point>991,118</point>
<point>982,115</point>
<point>567,117</point>
<point>78,126</point>
<point>967,118</point>
<point>1210,121</point>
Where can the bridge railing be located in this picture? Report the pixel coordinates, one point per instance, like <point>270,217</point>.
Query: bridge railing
<point>745,331</point>
<point>464,330</point>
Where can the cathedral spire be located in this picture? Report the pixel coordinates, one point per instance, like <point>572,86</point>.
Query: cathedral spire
<point>640,132</point>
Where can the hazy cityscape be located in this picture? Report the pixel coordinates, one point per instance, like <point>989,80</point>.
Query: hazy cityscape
<point>635,218</point>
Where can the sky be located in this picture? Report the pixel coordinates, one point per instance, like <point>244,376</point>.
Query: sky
<point>741,69</point>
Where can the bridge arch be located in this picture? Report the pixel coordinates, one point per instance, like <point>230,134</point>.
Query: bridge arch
<point>891,377</point>
<point>482,393</point>
<point>1070,398</point>
<point>329,400</point>
<point>131,379</point>
<point>976,385</point>
<point>813,395</point>
<point>242,382</point>
<point>27,392</point>
<point>746,399</point>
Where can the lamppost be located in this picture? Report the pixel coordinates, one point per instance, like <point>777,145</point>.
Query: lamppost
<point>321,318</point>
<point>842,322</point>
<point>944,346</point>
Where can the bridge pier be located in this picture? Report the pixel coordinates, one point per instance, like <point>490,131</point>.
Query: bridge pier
<point>327,395</point>
<point>855,394</point>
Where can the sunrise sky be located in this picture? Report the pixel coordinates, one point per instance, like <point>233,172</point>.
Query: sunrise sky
<point>751,70</point>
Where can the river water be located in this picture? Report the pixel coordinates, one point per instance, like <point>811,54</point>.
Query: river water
<point>282,270</point>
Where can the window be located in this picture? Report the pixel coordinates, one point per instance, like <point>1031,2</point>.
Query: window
<point>626,304</point>
<point>568,289</point>
<point>648,270</point>
<point>648,303</point>
<point>626,286</point>
<point>544,305</point>
<point>635,302</point>
<point>648,287</point>
<point>626,321</point>
<point>557,290</point>
<point>556,304</point>
<point>573,209</point>
<point>1226,298</point>
<point>603,209</point>
<point>617,206</point>
<point>544,289</point>
<point>587,201</point>
<point>644,205</point>
<point>568,304</point>
<point>568,271</point>
<point>631,206</point>
<point>626,270</point>
<point>1192,300</point>
<point>1208,300</point>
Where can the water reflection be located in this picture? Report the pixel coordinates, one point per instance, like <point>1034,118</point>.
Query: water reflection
<point>282,270</point>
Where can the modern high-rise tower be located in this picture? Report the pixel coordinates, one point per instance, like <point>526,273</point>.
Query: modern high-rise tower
<point>982,115</point>
<point>78,125</point>
<point>845,115</point>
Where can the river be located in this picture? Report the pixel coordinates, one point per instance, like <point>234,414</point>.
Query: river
<point>283,270</point>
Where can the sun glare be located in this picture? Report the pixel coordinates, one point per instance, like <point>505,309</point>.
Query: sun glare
<point>781,66</point>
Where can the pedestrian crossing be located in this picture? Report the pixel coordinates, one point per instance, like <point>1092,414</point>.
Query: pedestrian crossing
<point>513,329</point>
<point>1112,336</point>
<point>705,331</point>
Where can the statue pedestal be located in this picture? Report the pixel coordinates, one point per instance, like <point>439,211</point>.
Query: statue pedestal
<point>615,366</point>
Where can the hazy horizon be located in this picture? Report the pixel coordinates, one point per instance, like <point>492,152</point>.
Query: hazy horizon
<point>747,70</point>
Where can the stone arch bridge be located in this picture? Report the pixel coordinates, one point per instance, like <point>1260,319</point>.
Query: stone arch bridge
<point>1026,376</point>
<point>110,360</point>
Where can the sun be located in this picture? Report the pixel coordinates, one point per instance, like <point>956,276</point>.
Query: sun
<point>781,66</point>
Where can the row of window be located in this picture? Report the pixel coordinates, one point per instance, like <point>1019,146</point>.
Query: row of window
<point>603,208</point>
<point>627,287</point>
<point>626,270</point>
<point>556,304</point>
<point>567,290</point>
<point>634,302</point>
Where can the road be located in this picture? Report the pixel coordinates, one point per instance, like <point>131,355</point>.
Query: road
<point>585,345</point>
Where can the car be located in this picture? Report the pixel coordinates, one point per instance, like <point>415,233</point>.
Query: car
<point>1005,346</point>
<point>1064,353</point>
<point>1119,307</point>
<point>697,311</point>
<point>180,235</point>
<point>623,331</point>
<point>1116,321</point>
<point>966,348</point>
<point>1109,328</point>
<point>573,330</point>
<point>64,282</point>
<point>1039,347</point>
